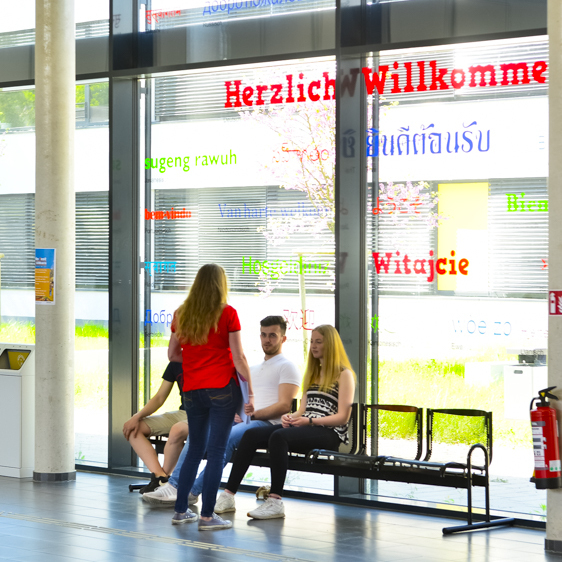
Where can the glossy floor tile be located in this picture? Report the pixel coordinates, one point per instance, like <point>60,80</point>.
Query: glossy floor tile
<point>96,519</point>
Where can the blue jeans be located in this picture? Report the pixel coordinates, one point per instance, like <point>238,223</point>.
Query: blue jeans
<point>236,433</point>
<point>210,412</point>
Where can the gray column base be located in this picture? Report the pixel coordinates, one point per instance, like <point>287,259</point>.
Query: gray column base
<point>54,476</point>
<point>553,546</point>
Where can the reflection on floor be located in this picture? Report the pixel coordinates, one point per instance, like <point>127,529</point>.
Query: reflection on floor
<point>507,495</point>
<point>97,519</point>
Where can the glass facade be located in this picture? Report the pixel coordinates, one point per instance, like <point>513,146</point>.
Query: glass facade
<point>17,27</point>
<point>250,187</point>
<point>388,178</point>
<point>459,244</point>
<point>17,243</point>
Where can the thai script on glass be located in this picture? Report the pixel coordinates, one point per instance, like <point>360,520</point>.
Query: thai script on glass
<point>427,141</point>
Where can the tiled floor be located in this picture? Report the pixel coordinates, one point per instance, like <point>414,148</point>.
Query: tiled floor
<point>97,519</point>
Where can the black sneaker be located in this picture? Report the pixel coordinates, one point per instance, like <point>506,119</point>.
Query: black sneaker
<point>155,482</point>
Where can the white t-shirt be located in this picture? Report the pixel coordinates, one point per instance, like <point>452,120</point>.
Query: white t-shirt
<point>266,378</point>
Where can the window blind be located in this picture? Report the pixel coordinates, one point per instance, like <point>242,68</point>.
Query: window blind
<point>17,240</point>
<point>208,237</point>
<point>518,241</point>
<point>410,237</point>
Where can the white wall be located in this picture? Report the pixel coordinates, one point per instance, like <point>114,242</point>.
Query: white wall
<point>89,305</point>
<point>91,161</point>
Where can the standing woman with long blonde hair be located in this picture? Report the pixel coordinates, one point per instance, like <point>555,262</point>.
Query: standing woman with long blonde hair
<point>321,422</point>
<point>206,338</point>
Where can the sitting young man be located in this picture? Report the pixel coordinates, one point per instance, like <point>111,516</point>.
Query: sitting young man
<point>276,383</point>
<point>174,424</point>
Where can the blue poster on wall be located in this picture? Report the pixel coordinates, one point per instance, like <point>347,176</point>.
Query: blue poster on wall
<point>45,276</point>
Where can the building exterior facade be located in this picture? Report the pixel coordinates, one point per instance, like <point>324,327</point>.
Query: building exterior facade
<point>377,166</point>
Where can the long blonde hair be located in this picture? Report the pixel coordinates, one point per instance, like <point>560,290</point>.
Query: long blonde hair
<point>334,360</point>
<point>203,306</point>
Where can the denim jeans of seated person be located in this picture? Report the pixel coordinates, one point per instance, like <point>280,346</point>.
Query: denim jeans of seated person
<point>210,412</point>
<point>236,433</point>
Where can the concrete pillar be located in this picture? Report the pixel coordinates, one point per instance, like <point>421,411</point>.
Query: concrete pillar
<point>55,76</point>
<point>554,497</point>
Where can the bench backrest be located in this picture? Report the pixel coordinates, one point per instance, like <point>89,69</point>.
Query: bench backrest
<point>392,430</point>
<point>294,406</point>
<point>451,432</point>
<point>355,444</point>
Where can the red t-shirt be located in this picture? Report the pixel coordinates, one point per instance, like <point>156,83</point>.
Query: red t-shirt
<point>210,365</point>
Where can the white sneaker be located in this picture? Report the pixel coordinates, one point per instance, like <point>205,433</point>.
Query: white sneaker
<point>191,499</point>
<point>272,508</point>
<point>225,502</point>
<point>164,495</point>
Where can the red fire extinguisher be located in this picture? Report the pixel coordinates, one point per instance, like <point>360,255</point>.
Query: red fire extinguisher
<point>545,442</point>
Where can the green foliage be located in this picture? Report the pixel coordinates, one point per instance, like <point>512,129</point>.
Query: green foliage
<point>458,429</point>
<point>91,331</point>
<point>17,108</point>
<point>157,339</point>
<point>86,335</point>
<point>541,511</point>
<point>441,384</point>
<point>99,94</point>
<point>395,425</point>
<point>422,383</point>
<point>17,332</point>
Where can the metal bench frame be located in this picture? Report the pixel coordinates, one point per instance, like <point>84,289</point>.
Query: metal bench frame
<point>425,472</point>
<point>355,463</point>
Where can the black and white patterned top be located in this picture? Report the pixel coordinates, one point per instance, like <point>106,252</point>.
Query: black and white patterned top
<point>320,404</point>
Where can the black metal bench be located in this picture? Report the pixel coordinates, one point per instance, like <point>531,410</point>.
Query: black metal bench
<point>361,458</point>
<point>454,474</point>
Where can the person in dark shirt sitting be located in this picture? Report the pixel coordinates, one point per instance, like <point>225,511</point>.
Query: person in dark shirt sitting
<point>174,424</point>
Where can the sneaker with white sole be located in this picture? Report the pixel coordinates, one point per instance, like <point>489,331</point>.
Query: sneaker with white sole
<point>165,495</point>
<point>214,524</point>
<point>225,502</point>
<point>272,508</point>
<point>187,517</point>
<point>191,499</point>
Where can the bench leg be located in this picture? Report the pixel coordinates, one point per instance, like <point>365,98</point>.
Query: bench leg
<point>483,524</point>
<point>476,526</point>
